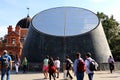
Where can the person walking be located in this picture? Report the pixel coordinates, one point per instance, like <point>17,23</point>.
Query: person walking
<point>68,66</point>
<point>57,65</point>
<point>6,65</point>
<point>51,68</point>
<point>111,63</point>
<point>24,65</point>
<point>79,74</point>
<point>45,67</point>
<point>87,63</point>
<point>17,64</point>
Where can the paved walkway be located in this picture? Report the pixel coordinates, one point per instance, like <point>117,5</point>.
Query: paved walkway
<point>99,75</point>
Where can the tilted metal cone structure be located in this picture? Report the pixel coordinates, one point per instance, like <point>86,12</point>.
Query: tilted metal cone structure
<point>65,31</point>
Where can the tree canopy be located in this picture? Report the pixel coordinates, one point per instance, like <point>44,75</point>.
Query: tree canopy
<point>112,30</point>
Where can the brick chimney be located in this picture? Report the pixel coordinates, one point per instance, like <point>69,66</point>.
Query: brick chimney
<point>10,29</point>
<point>17,29</point>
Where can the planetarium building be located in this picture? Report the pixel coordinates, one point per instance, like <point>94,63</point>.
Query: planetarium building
<point>62,31</point>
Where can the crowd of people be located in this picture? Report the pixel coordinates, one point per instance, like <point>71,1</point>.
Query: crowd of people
<point>51,67</point>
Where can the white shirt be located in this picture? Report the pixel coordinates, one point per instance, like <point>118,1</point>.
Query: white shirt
<point>57,63</point>
<point>45,62</point>
<point>87,63</point>
<point>110,60</point>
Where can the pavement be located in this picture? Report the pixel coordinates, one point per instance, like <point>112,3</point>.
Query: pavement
<point>99,75</point>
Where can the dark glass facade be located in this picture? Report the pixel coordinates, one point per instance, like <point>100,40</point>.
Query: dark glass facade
<point>65,31</point>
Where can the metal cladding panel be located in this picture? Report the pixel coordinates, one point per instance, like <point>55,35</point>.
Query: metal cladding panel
<point>65,31</point>
<point>100,44</point>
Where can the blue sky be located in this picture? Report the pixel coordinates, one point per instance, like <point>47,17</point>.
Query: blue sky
<point>11,11</point>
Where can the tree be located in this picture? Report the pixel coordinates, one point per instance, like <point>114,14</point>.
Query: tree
<point>112,30</point>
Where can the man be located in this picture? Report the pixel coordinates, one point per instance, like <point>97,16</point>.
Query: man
<point>68,66</point>
<point>111,63</point>
<point>6,67</point>
<point>87,63</point>
<point>79,74</point>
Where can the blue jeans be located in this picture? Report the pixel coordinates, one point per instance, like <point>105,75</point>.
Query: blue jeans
<point>7,72</point>
<point>90,76</point>
<point>80,75</point>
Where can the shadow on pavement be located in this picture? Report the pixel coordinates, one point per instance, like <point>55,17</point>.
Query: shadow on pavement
<point>48,79</point>
<point>111,77</point>
<point>39,79</point>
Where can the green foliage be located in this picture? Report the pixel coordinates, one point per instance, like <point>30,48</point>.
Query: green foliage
<point>112,30</point>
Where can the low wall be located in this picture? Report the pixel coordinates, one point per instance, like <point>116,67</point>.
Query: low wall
<point>102,66</point>
<point>105,66</point>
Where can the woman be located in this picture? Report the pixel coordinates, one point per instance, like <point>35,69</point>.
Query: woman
<point>24,64</point>
<point>45,67</point>
<point>57,65</point>
<point>17,64</point>
<point>52,68</point>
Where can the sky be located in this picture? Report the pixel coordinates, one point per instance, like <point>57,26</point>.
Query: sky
<point>11,11</point>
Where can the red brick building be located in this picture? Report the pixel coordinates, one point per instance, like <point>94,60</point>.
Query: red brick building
<point>14,39</point>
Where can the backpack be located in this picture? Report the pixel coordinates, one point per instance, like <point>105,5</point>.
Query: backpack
<point>5,62</point>
<point>81,66</point>
<point>92,65</point>
<point>69,65</point>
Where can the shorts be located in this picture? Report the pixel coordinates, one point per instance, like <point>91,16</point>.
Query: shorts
<point>45,68</point>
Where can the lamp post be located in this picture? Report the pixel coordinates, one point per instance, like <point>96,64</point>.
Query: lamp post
<point>64,64</point>
<point>64,34</point>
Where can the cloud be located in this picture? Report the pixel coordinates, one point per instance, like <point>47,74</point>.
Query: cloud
<point>98,1</point>
<point>3,31</point>
<point>116,14</point>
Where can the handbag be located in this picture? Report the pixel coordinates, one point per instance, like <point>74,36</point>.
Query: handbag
<point>53,69</point>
